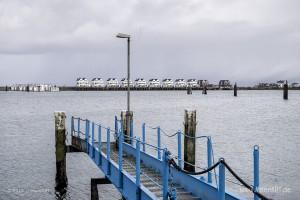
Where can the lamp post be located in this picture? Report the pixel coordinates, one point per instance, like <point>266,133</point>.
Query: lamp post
<point>127,119</point>
<point>122,35</point>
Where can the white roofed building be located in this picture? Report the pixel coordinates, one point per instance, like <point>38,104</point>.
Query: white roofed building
<point>180,83</point>
<point>82,82</point>
<point>97,82</point>
<point>141,83</point>
<point>154,83</point>
<point>124,83</point>
<point>167,83</point>
<point>112,83</point>
<point>192,83</point>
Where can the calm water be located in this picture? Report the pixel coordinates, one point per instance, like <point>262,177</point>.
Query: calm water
<point>27,153</point>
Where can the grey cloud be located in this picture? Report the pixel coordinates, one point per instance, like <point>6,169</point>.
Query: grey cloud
<point>58,41</point>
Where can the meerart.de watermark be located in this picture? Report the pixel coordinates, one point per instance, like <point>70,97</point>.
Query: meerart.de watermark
<point>272,189</point>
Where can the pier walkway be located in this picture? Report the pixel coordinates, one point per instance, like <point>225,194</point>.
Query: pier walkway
<point>139,175</point>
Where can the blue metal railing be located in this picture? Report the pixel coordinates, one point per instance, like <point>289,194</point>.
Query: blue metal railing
<point>164,159</point>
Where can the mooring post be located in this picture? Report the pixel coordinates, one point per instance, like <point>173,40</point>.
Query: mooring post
<point>120,151</point>
<point>138,168</point>
<point>285,90</point>
<point>108,150</point>
<point>158,143</point>
<point>99,145</point>
<point>209,158</point>
<point>256,170</point>
<point>78,127</point>
<point>72,125</point>
<point>235,90</point>
<point>61,149</point>
<point>204,91</point>
<point>87,134</point>
<point>179,149</point>
<point>127,119</point>
<point>144,136</point>
<point>93,138</point>
<point>116,131</point>
<point>221,192</point>
<point>189,140</point>
<point>189,90</point>
<point>165,174</point>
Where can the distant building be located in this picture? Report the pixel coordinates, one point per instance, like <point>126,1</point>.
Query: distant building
<point>225,84</point>
<point>180,83</point>
<point>295,85</point>
<point>97,82</point>
<point>192,83</point>
<point>112,83</point>
<point>141,83</point>
<point>167,83</point>
<point>280,83</point>
<point>124,83</point>
<point>154,83</point>
<point>82,82</point>
<point>203,83</point>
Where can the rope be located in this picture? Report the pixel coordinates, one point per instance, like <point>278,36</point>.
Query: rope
<point>249,187</point>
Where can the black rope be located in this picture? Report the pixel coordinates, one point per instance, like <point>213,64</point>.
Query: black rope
<point>244,183</point>
<point>172,162</point>
<point>249,187</point>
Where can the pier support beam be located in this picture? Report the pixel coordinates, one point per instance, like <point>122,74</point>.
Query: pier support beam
<point>235,90</point>
<point>285,91</point>
<point>61,149</point>
<point>94,189</point>
<point>127,122</point>
<point>189,140</point>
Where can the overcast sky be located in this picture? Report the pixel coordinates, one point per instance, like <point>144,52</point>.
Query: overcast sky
<point>56,41</point>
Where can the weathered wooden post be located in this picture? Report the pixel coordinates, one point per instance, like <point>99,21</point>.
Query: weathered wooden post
<point>189,140</point>
<point>189,90</point>
<point>235,90</point>
<point>285,90</point>
<point>61,149</point>
<point>204,91</point>
<point>127,121</point>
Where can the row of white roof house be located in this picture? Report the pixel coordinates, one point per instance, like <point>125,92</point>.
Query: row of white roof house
<point>142,83</point>
<point>35,88</point>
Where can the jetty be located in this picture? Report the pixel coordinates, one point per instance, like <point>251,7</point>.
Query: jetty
<point>129,165</point>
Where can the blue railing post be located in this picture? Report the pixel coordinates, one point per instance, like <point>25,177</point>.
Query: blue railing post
<point>108,151</point>
<point>221,192</point>
<point>72,125</point>
<point>144,136</point>
<point>256,170</point>
<point>179,149</point>
<point>165,174</point>
<point>209,158</point>
<point>78,127</point>
<point>158,143</point>
<point>99,145</point>
<point>131,132</point>
<point>87,133</point>
<point>121,139</point>
<point>138,168</point>
<point>93,137</point>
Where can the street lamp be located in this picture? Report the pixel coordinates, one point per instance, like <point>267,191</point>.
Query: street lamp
<point>122,35</point>
<point>127,120</point>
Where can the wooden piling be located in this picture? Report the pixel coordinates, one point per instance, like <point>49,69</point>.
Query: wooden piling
<point>285,90</point>
<point>60,152</point>
<point>204,91</point>
<point>127,121</point>
<point>235,90</point>
<point>189,140</point>
<point>189,90</point>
